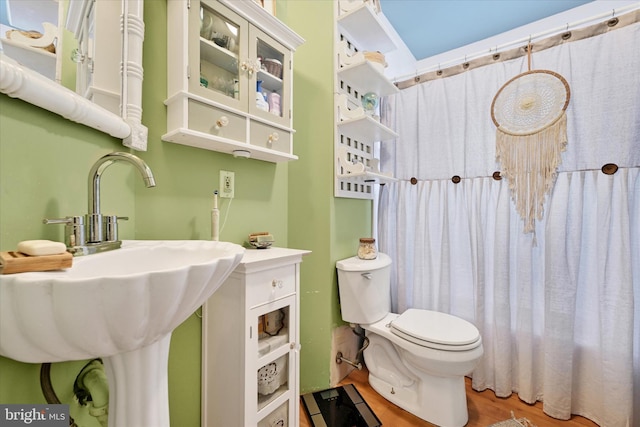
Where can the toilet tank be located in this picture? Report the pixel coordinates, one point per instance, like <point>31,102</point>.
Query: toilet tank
<point>365,288</point>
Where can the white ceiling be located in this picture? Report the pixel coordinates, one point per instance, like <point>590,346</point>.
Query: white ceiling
<point>434,33</point>
<point>430,27</point>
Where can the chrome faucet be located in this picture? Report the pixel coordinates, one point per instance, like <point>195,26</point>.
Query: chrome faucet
<point>95,228</point>
<point>101,232</point>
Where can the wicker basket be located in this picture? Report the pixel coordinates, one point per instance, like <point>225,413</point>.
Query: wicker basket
<point>273,66</point>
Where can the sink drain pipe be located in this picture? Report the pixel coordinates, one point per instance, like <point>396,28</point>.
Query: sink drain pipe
<point>356,329</point>
<point>91,387</point>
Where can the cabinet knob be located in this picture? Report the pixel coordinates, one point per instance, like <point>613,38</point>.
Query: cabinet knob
<point>77,56</point>
<point>277,283</point>
<point>273,138</point>
<point>248,67</point>
<point>222,122</point>
<point>295,346</point>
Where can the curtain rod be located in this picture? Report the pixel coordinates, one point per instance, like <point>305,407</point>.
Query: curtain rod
<point>527,39</point>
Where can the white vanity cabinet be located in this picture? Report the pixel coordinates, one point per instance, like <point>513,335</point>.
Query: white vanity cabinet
<point>230,69</point>
<point>250,343</point>
<point>359,30</point>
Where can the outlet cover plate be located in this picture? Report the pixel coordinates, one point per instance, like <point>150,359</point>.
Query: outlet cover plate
<point>227,184</point>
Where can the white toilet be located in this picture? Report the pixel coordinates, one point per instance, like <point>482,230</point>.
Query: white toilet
<point>417,359</point>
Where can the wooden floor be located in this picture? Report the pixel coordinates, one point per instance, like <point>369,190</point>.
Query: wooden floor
<point>484,408</point>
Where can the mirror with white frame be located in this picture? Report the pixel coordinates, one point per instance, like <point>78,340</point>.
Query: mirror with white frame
<point>108,93</point>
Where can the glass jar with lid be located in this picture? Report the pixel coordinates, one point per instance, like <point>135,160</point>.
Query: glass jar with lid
<point>367,248</point>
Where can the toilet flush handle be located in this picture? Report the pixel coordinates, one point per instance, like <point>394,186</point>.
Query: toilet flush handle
<point>367,275</point>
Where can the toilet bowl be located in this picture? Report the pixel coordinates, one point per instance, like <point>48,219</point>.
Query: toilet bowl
<point>417,359</point>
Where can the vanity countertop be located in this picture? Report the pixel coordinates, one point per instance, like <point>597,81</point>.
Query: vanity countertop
<point>258,259</point>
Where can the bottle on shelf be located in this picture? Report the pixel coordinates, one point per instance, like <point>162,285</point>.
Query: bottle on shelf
<point>261,102</point>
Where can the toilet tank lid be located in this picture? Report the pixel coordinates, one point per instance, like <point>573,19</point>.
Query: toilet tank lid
<point>356,264</point>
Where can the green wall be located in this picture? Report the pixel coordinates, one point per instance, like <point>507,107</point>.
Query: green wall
<point>44,165</point>
<point>328,226</point>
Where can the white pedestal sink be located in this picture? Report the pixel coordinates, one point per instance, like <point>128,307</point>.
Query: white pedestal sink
<point>120,306</point>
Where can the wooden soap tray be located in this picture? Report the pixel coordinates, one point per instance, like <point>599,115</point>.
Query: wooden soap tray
<point>17,262</point>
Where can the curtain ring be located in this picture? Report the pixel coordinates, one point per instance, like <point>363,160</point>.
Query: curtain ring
<point>613,22</point>
<point>609,169</point>
<point>566,36</point>
<point>455,179</point>
<point>496,175</point>
<point>413,180</point>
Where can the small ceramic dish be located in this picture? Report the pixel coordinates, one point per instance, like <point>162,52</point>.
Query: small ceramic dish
<point>261,245</point>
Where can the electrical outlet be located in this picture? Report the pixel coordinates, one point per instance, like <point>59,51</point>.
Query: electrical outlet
<point>227,184</point>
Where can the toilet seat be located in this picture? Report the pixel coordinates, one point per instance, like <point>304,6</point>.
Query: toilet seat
<point>436,330</point>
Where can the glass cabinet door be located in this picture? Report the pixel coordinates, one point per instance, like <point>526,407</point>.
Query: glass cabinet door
<point>275,375</point>
<point>218,54</point>
<point>272,79</point>
<point>273,371</point>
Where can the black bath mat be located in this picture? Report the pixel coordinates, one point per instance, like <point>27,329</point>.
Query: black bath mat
<point>339,407</point>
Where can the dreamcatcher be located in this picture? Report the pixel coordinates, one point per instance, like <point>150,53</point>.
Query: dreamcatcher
<point>529,112</point>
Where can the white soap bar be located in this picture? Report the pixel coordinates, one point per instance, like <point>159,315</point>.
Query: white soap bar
<point>41,247</point>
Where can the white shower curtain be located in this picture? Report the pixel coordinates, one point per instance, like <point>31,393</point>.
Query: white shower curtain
<point>559,317</point>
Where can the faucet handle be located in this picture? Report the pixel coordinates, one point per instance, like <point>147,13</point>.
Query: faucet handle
<point>111,227</point>
<point>66,220</point>
<point>73,230</point>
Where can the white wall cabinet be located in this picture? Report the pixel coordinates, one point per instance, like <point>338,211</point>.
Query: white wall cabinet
<point>250,350</point>
<point>358,29</point>
<point>220,53</point>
